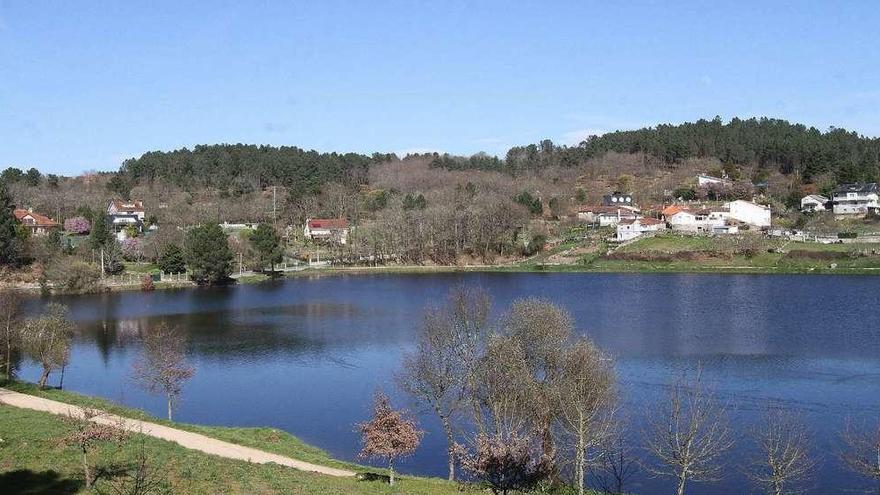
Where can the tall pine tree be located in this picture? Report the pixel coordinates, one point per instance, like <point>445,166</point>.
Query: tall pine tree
<point>9,252</point>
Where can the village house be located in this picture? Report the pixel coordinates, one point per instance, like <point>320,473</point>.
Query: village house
<point>748,212</point>
<point>693,220</point>
<point>123,214</point>
<point>38,224</point>
<point>813,202</point>
<point>855,199</point>
<point>632,228</point>
<point>606,216</point>
<point>326,229</point>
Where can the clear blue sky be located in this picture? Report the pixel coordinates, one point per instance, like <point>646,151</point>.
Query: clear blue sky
<point>84,85</point>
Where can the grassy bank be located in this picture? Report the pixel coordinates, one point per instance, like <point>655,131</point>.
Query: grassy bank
<point>33,461</point>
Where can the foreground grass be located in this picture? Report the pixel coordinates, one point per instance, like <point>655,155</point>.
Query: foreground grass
<point>33,461</point>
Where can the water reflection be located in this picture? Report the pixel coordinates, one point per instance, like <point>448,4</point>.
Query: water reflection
<point>306,355</point>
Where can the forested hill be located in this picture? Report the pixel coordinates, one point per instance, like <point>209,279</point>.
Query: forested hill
<point>242,168</point>
<point>763,142</point>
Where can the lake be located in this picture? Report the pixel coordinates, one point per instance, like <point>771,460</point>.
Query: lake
<point>306,354</point>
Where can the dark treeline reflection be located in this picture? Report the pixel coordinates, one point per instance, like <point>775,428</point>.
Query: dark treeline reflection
<point>305,355</point>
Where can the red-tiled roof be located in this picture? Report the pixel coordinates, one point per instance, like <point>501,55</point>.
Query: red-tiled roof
<point>39,220</point>
<point>135,205</point>
<point>328,223</point>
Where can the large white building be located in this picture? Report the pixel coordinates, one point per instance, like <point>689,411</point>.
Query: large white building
<point>855,199</point>
<point>748,212</point>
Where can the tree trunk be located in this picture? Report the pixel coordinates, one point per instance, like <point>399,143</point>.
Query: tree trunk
<point>391,471</point>
<point>450,445</point>
<point>579,459</point>
<point>86,470</point>
<point>169,408</point>
<point>8,356</point>
<point>44,376</point>
<point>681,481</point>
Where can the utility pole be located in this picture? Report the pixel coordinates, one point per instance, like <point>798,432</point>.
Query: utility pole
<point>240,269</point>
<point>102,263</point>
<point>274,218</point>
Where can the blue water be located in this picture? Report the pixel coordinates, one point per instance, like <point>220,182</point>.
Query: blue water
<point>306,355</point>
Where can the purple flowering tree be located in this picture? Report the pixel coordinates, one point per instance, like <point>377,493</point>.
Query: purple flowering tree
<point>132,249</point>
<point>77,225</point>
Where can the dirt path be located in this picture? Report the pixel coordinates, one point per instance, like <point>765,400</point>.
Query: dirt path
<point>186,439</point>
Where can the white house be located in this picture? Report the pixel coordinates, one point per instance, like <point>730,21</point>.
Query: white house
<point>606,216</point>
<point>750,213</point>
<point>689,220</point>
<point>855,199</point>
<point>813,202</point>
<point>704,180</point>
<point>632,228</point>
<point>326,229</point>
<point>125,213</point>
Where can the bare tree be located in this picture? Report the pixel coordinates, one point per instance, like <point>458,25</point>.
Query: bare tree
<point>861,452</point>
<point>616,464</point>
<point>542,330</point>
<point>10,330</point>
<point>47,340</point>
<point>86,434</point>
<point>690,435</point>
<point>162,366</point>
<point>141,477</point>
<point>388,434</point>
<point>584,397</point>
<point>784,462</point>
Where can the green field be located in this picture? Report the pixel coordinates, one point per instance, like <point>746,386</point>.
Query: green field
<point>33,461</point>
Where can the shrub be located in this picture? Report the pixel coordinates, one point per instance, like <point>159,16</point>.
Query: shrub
<point>76,277</point>
<point>147,283</point>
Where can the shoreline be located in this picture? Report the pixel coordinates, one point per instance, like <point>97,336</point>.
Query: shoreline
<point>640,268</point>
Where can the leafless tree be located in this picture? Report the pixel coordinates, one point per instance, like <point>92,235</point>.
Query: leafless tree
<point>542,330</point>
<point>616,464</point>
<point>47,340</point>
<point>434,373</point>
<point>86,433</point>
<point>10,329</point>
<point>162,365</point>
<point>584,396</point>
<point>861,452</point>
<point>388,434</point>
<point>142,476</point>
<point>689,435</point>
<point>784,462</point>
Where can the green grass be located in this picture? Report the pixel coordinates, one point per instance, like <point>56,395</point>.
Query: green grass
<point>31,457</point>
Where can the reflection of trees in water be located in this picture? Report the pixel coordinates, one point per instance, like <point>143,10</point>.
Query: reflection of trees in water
<point>305,331</point>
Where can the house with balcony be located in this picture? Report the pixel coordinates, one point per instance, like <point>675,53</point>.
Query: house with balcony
<point>855,199</point>
<point>630,229</point>
<point>123,214</point>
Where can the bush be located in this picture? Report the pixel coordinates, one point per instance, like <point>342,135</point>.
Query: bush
<point>77,277</point>
<point>847,235</point>
<point>147,283</point>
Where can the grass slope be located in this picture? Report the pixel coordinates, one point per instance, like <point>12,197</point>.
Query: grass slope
<point>33,461</point>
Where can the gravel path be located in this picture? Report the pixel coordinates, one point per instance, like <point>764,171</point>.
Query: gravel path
<point>186,439</point>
